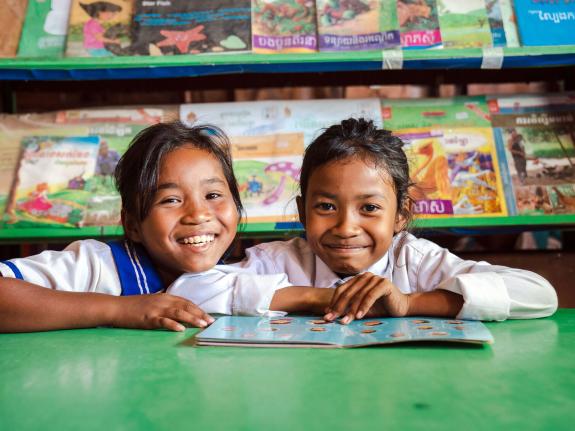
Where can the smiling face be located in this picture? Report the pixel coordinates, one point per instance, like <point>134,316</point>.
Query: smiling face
<point>350,214</point>
<point>193,218</point>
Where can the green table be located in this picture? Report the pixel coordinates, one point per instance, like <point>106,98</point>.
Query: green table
<point>109,379</point>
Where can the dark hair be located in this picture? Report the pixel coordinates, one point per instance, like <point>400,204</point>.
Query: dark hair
<point>361,138</point>
<point>93,9</point>
<point>138,170</point>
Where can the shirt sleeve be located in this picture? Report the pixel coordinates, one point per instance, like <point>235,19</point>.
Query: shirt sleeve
<point>83,266</point>
<point>230,290</point>
<point>490,292</point>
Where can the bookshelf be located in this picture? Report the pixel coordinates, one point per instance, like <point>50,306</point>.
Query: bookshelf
<point>226,71</point>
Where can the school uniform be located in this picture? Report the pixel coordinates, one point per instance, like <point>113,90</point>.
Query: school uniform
<point>124,268</point>
<point>490,292</point>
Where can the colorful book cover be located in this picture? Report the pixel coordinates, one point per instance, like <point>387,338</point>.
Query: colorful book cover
<point>495,15</point>
<point>308,331</point>
<point>464,24</point>
<point>12,13</point>
<point>191,27</point>
<point>284,26</point>
<point>268,139</point>
<point>115,128</point>
<point>509,23</point>
<point>45,28</point>
<point>461,111</point>
<point>99,28</point>
<point>543,23</point>
<point>356,25</point>
<point>525,103</point>
<point>51,186</point>
<point>455,171</point>
<point>418,23</point>
<point>537,156</point>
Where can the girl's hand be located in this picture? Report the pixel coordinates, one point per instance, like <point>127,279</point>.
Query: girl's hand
<point>159,310</point>
<point>367,294</point>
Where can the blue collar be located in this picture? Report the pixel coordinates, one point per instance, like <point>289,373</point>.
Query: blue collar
<point>135,269</point>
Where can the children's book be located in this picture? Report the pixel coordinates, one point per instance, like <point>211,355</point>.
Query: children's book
<point>45,28</point>
<point>268,139</point>
<point>544,23</point>
<point>284,26</point>
<point>495,15</point>
<point>418,23</point>
<point>455,171</point>
<point>191,27</point>
<point>99,28</point>
<point>536,152</point>
<point>12,13</point>
<point>464,24</point>
<point>51,185</point>
<point>509,23</point>
<point>301,331</point>
<point>357,25</point>
<point>461,111</point>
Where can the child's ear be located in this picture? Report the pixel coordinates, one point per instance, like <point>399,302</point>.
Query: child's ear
<point>400,221</point>
<point>301,209</point>
<point>131,228</point>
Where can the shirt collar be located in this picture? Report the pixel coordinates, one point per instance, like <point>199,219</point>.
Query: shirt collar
<point>325,277</point>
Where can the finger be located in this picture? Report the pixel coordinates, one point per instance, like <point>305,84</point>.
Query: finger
<point>183,316</point>
<point>172,325</point>
<point>193,309</point>
<point>340,306</point>
<point>342,289</point>
<point>370,297</point>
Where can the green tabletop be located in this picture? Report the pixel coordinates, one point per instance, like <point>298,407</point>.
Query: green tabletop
<point>114,379</point>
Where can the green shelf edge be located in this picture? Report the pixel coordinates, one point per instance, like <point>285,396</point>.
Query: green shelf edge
<point>270,229</point>
<point>253,58</point>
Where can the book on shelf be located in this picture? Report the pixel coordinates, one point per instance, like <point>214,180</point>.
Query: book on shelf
<point>357,25</point>
<point>311,332</point>
<point>544,23</point>
<point>418,23</point>
<point>536,151</point>
<point>284,26</point>
<point>99,28</point>
<point>509,23</point>
<point>52,182</point>
<point>268,139</point>
<point>464,24</point>
<point>496,24</point>
<point>191,27</point>
<point>45,28</point>
<point>12,15</point>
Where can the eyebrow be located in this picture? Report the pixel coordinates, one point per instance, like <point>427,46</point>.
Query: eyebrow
<point>213,180</point>
<point>364,196</point>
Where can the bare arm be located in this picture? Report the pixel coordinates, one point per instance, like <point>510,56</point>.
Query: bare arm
<point>297,299</point>
<point>25,307</point>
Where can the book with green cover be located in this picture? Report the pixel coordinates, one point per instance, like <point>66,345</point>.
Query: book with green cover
<point>45,28</point>
<point>464,24</point>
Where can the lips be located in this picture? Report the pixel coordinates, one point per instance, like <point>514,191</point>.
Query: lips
<point>197,240</point>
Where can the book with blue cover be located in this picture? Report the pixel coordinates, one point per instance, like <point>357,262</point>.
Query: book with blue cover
<point>306,331</point>
<point>545,23</point>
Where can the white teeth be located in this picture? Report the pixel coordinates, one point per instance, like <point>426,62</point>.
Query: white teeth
<point>198,239</point>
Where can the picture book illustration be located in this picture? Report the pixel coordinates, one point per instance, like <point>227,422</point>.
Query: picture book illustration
<point>354,25</point>
<point>99,28</point>
<point>455,171</point>
<point>509,22</point>
<point>52,184</point>
<point>418,23</point>
<point>302,331</point>
<point>284,26</point>
<point>268,139</point>
<point>12,14</point>
<point>495,15</point>
<point>45,28</point>
<point>537,156</point>
<point>464,24</point>
<point>191,27</point>
<point>462,111</point>
<point>543,23</point>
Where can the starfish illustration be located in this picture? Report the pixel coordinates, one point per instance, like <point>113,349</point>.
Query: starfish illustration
<point>182,39</point>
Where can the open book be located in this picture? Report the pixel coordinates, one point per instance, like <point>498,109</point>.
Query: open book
<point>305,331</point>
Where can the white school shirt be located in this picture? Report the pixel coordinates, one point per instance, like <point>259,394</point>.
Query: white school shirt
<point>490,292</point>
<point>123,268</point>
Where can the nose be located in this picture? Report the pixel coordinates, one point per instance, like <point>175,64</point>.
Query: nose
<point>196,212</point>
<point>346,225</point>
